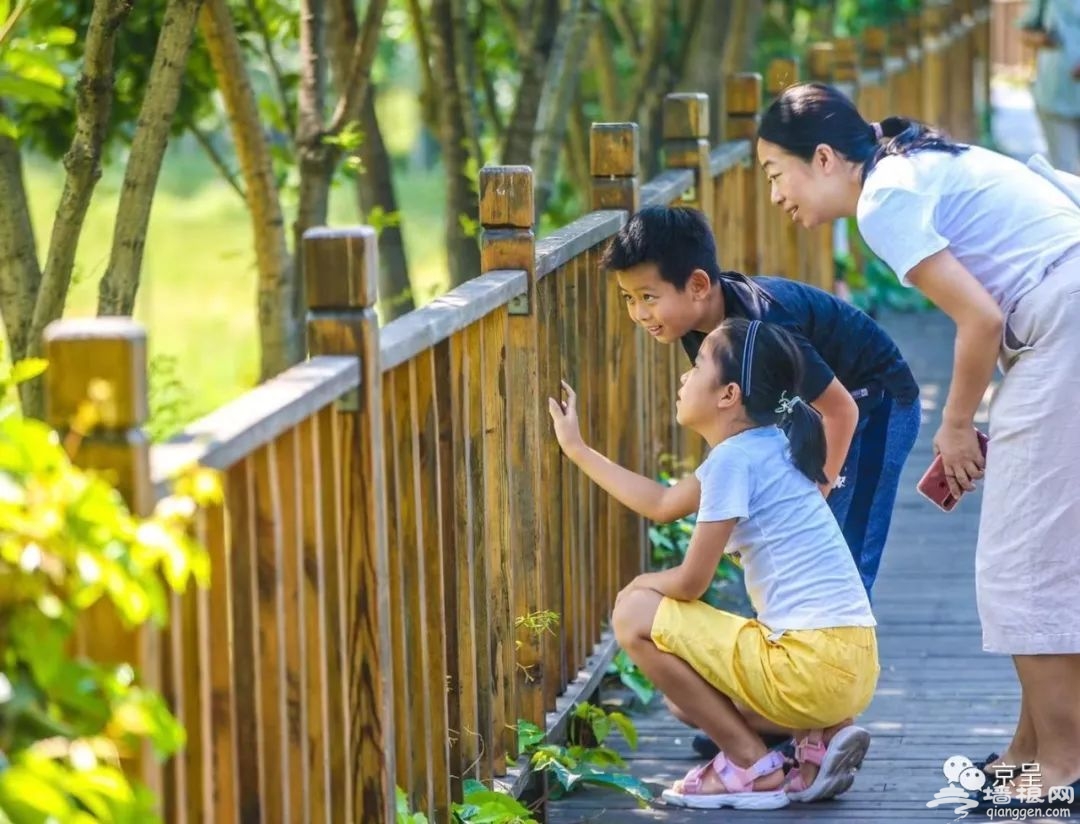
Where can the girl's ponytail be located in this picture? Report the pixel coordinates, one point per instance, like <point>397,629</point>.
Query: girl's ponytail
<point>802,425</point>
<point>764,360</point>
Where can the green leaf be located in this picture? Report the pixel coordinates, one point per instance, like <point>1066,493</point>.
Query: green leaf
<point>59,36</point>
<point>27,369</point>
<point>601,757</point>
<point>632,786</point>
<point>626,728</point>
<point>529,735</point>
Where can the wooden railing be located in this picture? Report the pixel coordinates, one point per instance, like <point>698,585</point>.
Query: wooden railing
<point>396,508</point>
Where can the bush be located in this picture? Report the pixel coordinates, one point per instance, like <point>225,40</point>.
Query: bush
<point>67,542</point>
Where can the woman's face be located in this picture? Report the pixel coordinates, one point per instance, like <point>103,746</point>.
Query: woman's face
<point>811,192</point>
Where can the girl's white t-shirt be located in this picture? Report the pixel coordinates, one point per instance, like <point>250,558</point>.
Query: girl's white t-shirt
<point>1003,222</point>
<point>798,569</point>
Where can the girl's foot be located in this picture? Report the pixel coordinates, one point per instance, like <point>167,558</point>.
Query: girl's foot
<point>719,783</point>
<point>828,761</point>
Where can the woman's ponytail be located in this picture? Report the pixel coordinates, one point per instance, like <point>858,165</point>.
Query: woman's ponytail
<point>802,425</point>
<point>808,115</point>
<point>903,136</point>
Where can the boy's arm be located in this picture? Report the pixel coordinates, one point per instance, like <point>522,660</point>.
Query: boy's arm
<point>652,499</point>
<point>839,417</point>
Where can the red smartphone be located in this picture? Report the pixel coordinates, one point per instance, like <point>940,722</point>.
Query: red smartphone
<point>935,488</point>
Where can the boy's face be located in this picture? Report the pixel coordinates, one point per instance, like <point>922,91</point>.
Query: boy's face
<point>657,306</point>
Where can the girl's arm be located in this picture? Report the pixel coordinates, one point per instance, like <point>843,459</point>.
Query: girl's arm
<point>690,579</point>
<point>943,279</point>
<point>651,499</point>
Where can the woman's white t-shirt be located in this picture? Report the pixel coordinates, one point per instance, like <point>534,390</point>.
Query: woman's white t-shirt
<point>1003,222</point>
<point>798,569</point>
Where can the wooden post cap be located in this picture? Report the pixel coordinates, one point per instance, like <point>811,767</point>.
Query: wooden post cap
<point>875,47</point>
<point>743,94</point>
<point>506,197</point>
<point>341,267</point>
<point>781,73</point>
<point>686,116</point>
<point>614,150</point>
<point>96,359</point>
<point>820,62</point>
<point>845,60</point>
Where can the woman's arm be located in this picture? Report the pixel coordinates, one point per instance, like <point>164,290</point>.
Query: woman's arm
<point>651,499</point>
<point>943,279</point>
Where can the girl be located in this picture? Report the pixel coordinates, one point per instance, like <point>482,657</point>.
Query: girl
<point>997,248</point>
<point>808,663</point>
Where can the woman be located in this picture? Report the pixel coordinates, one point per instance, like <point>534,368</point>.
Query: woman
<point>997,248</point>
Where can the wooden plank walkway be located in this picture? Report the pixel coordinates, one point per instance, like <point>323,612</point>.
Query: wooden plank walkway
<point>939,695</point>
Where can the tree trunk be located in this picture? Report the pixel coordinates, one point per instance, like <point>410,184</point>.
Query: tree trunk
<point>709,47</point>
<point>375,190</point>
<point>280,333</point>
<point>40,295</point>
<point>374,185</point>
<point>19,270</point>
<point>116,293</point>
<point>517,147</point>
<point>556,103</point>
<point>462,201</point>
<point>313,153</point>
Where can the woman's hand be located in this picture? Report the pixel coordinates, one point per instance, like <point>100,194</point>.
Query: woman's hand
<point>564,415</point>
<point>961,455</point>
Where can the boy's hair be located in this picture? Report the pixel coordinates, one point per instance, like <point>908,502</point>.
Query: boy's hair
<point>774,374</point>
<point>675,238</point>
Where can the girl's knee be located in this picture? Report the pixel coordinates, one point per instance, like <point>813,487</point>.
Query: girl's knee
<point>632,618</point>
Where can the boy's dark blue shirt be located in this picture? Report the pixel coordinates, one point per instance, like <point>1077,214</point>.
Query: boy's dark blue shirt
<point>836,339</point>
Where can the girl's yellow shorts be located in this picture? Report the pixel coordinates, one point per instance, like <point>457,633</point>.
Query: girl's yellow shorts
<point>803,679</point>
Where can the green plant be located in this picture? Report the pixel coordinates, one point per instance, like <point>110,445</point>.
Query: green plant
<point>632,678</point>
<point>67,541</point>
<point>581,764</point>
<point>669,543</point>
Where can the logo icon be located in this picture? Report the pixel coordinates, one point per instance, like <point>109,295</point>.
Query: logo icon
<point>958,769</point>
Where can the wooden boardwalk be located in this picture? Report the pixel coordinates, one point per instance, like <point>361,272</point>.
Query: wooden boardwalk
<point>939,695</point>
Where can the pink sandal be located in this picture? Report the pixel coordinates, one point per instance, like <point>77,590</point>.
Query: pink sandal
<point>738,783</point>
<point>837,764</point>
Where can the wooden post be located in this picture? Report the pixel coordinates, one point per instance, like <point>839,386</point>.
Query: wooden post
<point>846,66</point>
<point>340,274</point>
<point>507,242</point>
<point>821,58</point>
<point>874,102</point>
<point>686,146</point>
<point>897,68</point>
<point>982,69</point>
<point>743,94</point>
<point>103,361</point>
<point>615,166</point>
<point>780,237</point>
<point>934,40</point>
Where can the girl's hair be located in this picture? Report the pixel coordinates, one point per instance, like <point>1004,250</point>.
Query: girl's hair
<point>808,115</point>
<point>765,362</point>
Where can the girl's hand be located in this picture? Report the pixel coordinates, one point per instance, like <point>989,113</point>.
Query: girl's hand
<point>565,417</point>
<point>958,446</point>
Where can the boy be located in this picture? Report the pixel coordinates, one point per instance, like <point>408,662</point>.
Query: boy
<point>665,262</point>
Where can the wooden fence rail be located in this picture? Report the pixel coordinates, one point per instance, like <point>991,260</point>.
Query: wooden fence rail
<point>398,525</point>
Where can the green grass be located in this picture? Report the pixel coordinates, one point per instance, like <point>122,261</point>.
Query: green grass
<point>197,293</point>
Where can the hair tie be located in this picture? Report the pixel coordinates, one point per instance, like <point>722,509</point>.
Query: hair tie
<point>748,356</point>
<point>878,133</point>
<point>787,405</point>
